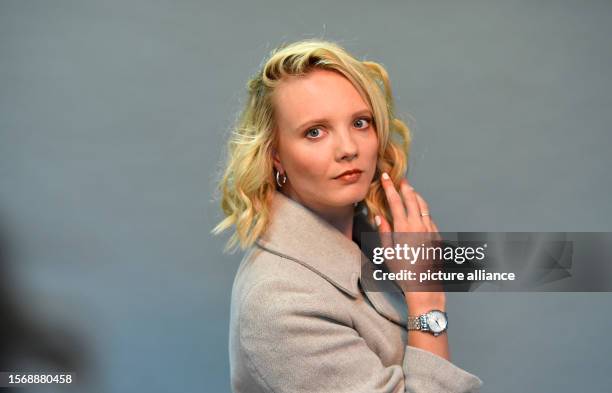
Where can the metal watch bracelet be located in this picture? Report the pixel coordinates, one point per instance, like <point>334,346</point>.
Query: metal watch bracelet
<point>421,322</point>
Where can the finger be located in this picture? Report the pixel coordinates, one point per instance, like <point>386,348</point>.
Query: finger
<point>427,220</point>
<point>435,228</point>
<point>384,230</point>
<point>395,201</point>
<point>410,199</point>
<point>424,209</point>
<point>386,241</point>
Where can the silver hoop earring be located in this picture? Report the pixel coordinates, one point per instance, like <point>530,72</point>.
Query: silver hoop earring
<point>280,182</point>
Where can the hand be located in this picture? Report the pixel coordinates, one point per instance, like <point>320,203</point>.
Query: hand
<point>410,227</point>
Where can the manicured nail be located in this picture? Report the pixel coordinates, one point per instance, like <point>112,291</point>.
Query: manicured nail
<point>377,220</point>
<point>385,176</point>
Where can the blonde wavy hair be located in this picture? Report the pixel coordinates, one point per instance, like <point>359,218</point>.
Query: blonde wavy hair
<point>247,183</point>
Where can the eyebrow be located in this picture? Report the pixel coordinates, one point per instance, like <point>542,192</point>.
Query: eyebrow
<point>324,120</point>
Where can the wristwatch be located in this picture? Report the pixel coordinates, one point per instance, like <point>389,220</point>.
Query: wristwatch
<point>434,322</point>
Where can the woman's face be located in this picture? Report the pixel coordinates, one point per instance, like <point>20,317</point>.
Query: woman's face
<point>324,129</point>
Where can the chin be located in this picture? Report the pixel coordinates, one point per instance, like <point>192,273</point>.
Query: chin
<point>348,196</point>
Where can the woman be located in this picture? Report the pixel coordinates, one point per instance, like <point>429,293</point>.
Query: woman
<point>316,157</point>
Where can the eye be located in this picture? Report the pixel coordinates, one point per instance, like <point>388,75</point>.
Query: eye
<point>313,133</point>
<point>367,120</point>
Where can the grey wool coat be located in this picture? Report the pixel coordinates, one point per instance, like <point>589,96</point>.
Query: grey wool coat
<point>300,321</point>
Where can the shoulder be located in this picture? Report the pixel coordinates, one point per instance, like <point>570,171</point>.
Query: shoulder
<point>267,274</point>
<point>284,303</point>
<point>269,288</point>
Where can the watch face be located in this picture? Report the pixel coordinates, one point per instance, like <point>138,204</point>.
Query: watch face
<point>436,321</point>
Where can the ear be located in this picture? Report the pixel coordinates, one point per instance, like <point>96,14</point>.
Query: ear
<point>276,160</point>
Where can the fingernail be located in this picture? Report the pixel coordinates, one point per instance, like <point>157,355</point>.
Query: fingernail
<point>385,176</point>
<point>377,220</point>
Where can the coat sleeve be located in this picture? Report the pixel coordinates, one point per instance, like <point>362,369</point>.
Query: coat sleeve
<point>296,340</point>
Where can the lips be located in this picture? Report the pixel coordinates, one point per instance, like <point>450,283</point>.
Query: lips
<point>349,172</point>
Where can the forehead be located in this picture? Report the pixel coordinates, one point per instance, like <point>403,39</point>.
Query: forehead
<point>319,93</point>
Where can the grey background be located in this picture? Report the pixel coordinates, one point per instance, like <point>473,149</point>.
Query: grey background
<point>113,116</point>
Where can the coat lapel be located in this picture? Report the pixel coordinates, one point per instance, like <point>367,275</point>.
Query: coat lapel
<point>299,234</point>
<point>386,297</point>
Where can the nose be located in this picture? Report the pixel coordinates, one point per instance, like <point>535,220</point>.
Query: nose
<point>347,148</point>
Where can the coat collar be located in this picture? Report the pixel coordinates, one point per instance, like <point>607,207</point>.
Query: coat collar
<point>297,233</point>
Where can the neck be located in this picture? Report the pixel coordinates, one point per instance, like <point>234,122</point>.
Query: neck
<point>340,218</point>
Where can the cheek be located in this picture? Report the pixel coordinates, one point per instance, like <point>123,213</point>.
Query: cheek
<point>307,163</point>
<point>370,148</point>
